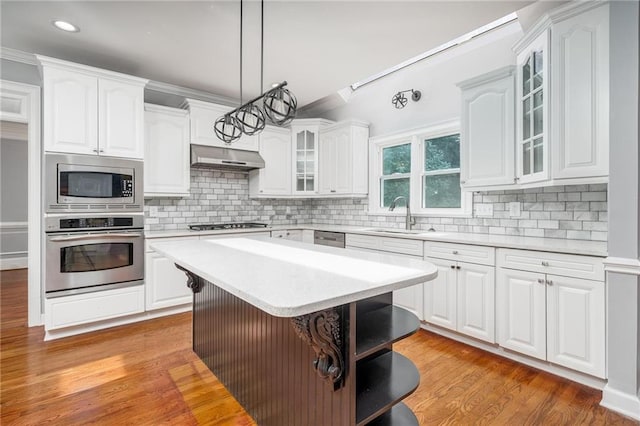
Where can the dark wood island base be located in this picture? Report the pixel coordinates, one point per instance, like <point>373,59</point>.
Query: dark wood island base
<point>334,367</point>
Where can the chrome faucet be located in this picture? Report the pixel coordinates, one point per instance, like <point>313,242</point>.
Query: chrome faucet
<point>410,220</point>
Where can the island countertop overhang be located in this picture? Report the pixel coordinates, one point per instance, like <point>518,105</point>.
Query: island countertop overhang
<point>288,278</point>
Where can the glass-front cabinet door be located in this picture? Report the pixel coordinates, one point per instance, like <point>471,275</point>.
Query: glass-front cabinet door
<point>305,135</point>
<point>305,157</point>
<point>533,111</point>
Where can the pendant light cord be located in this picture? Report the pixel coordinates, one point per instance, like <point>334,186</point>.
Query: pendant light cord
<point>262,46</point>
<point>241,1</point>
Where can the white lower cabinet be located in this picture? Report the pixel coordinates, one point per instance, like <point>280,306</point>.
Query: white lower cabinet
<point>166,284</point>
<point>462,297</point>
<point>78,309</point>
<point>288,234</point>
<point>560,319</point>
<point>409,298</point>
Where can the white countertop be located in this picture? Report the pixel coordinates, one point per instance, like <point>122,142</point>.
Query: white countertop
<point>556,245</point>
<point>289,278</point>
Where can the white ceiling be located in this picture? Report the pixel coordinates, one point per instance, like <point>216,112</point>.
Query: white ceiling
<point>319,47</point>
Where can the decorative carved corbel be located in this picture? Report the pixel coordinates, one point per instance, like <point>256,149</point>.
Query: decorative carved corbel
<point>194,282</point>
<point>321,331</point>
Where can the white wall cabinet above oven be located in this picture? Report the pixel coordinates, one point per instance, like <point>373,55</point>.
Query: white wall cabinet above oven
<point>167,171</point>
<point>203,115</point>
<point>87,110</point>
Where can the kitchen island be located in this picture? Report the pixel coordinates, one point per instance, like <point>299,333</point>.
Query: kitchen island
<point>302,334</point>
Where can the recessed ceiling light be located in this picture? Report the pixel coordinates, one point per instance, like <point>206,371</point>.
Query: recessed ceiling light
<point>66,26</point>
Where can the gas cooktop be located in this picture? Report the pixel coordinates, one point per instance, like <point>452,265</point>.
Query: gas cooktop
<point>232,225</point>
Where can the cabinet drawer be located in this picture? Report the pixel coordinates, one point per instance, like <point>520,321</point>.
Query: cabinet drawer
<point>158,240</point>
<point>102,305</point>
<point>568,265</point>
<point>391,245</point>
<point>462,252</point>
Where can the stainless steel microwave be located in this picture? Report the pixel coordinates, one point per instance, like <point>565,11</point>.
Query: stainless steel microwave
<point>91,183</point>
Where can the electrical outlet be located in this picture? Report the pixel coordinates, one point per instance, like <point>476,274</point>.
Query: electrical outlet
<point>484,209</point>
<point>153,211</point>
<point>514,209</point>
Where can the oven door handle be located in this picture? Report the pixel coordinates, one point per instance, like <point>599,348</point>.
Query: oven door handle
<point>93,236</point>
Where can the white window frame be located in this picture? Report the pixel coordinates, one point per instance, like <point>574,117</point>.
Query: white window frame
<point>416,137</point>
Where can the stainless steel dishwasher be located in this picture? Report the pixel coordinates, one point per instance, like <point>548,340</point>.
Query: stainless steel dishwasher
<point>325,238</point>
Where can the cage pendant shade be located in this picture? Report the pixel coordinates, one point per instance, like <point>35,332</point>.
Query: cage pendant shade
<point>280,105</point>
<point>250,119</point>
<point>227,129</point>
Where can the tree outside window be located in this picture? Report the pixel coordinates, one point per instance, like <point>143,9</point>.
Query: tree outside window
<point>396,173</point>
<point>441,174</point>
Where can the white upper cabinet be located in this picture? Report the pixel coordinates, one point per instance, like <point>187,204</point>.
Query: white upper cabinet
<point>121,119</point>
<point>166,157</point>
<point>203,115</point>
<point>87,110</point>
<point>343,157</point>
<point>580,101</point>
<point>304,137</point>
<point>562,97</point>
<point>70,111</point>
<point>275,178</point>
<point>532,106</point>
<point>487,133</point>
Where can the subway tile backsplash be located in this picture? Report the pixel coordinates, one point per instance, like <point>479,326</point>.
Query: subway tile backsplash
<point>573,211</point>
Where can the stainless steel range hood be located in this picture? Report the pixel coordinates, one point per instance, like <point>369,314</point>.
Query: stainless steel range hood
<point>213,157</point>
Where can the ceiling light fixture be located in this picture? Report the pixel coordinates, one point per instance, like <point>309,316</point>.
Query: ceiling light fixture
<point>65,26</point>
<point>399,100</point>
<point>278,103</point>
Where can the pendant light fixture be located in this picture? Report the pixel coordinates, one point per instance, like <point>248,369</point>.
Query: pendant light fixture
<point>278,103</point>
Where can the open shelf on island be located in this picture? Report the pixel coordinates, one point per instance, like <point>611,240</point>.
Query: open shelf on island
<point>399,415</point>
<point>382,382</point>
<point>379,328</point>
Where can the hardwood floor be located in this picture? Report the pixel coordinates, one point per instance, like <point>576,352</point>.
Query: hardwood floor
<point>146,374</point>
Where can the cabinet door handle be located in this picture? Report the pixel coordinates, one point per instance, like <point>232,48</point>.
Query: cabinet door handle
<point>549,282</point>
<point>540,281</point>
<point>455,252</point>
<point>453,266</point>
<point>458,267</point>
<point>545,263</point>
<point>333,190</point>
<point>95,150</point>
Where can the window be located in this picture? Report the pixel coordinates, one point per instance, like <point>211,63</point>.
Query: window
<point>441,175</point>
<point>423,166</point>
<point>396,173</point>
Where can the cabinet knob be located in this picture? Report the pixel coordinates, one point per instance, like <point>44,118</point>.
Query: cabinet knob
<point>463,182</point>
<point>95,150</point>
<point>455,252</point>
<point>101,150</point>
<point>549,282</point>
<point>458,267</point>
<point>453,266</point>
<point>333,190</point>
<point>540,281</point>
<point>544,263</point>
<point>280,236</point>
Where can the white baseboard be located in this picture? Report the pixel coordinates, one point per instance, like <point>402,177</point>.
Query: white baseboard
<point>623,403</point>
<point>13,263</point>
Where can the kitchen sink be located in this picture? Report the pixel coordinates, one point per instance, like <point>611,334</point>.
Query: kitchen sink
<point>406,231</point>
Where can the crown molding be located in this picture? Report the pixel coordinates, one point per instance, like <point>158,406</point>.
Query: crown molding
<point>18,56</point>
<point>188,93</point>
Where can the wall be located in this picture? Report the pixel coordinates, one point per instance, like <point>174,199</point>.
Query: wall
<point>13,199</point>
<point>436,78</point>
<point>217,197</point>
<point>575,212</point>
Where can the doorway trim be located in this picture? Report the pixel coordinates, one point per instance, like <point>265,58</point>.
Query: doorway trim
<point>27,97</point>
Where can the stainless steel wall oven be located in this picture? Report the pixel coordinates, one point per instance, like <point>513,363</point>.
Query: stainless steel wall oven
<point>77,183</point>
<point>86,254</point>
